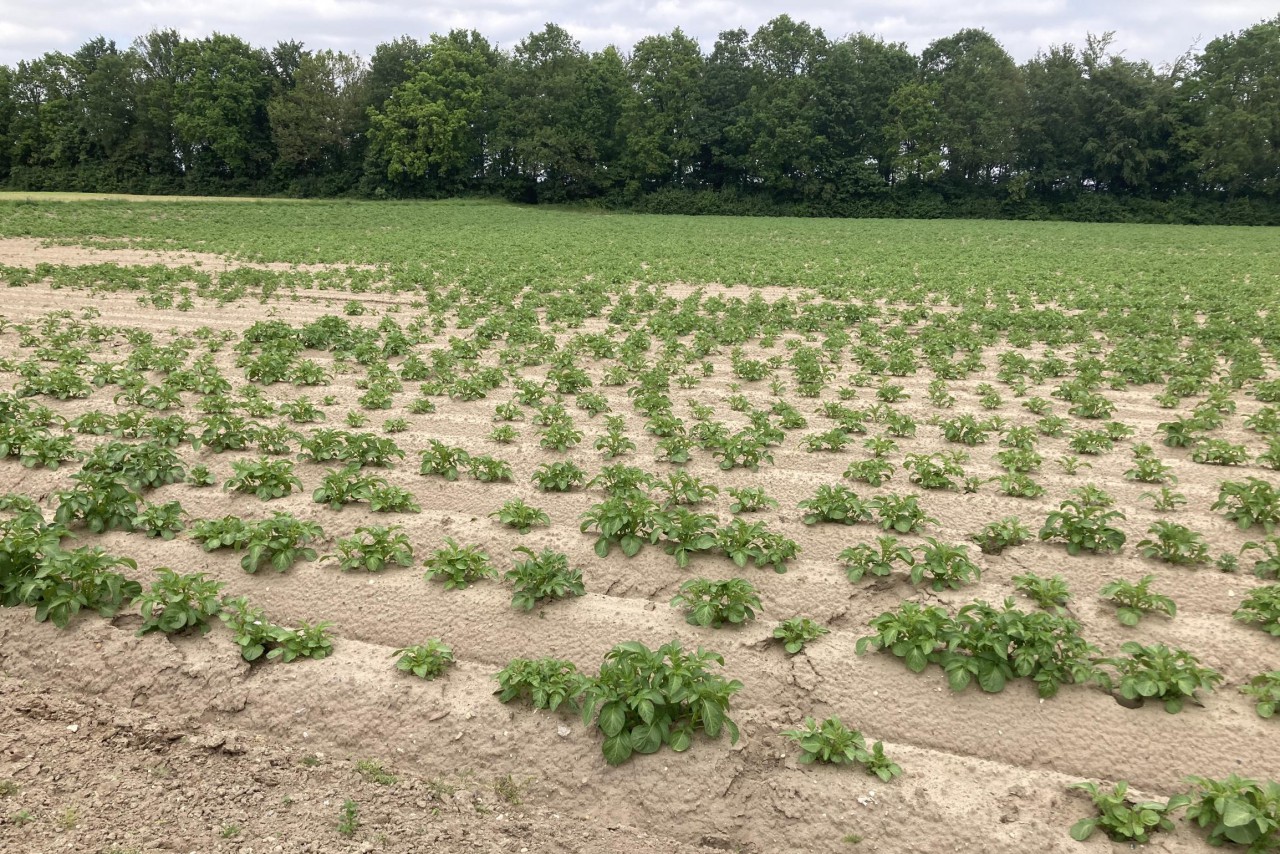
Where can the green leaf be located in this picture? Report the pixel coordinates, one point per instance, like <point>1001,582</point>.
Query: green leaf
<point>617,749</point>
<point>1083,829</point>
<point>613,717</point>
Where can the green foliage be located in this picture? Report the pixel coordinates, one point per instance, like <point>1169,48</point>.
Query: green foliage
<point>305,641</point>
<point>487,469</point>
<point>1265,690</point>
<point>179,602</point>
<point>1121,818</point>
<point>947,566</point>
<point>459,566</point>
<point>426,661</point>
<point>997,536</point>
<point>519,515</point>
<point>796,632</point>
<point>373,548</point>
<point>625,521</point>
<point>714,603</point>
<point>560,476</point>
<point>643,699</point>
<point>250,628</point>
<point>1254,502</point>
<point>160,520</point>
<point>1050,594</point>
<point>265,478</point>
<point>986,645</point>
<point>863,559</point>
<point>1133,601</point>
<point>900,513</point>
<point>1084,527</point>
<point>545,575</point>
<point>103,501</point>
<point>1174,543</point>
<point>443,460</point>
<point>835,503</point>
<point>1237,810</point>
<point>749,499</point>
<point>741,542</point>
<point>833,743</point>
<point>1171,676</point>
<point>546,683</point>
<point>1262,606</point>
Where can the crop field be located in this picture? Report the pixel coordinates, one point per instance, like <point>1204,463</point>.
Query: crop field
<point>463,526</point>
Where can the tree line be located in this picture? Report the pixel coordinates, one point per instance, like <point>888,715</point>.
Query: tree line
<point>782,120</point>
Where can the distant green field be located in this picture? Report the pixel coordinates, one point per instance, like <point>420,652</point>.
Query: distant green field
<point>485,244</point>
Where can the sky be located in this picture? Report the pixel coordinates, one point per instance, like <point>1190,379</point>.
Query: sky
<point>1159,32</point>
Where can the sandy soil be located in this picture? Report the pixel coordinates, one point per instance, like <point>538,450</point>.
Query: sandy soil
<point>982,772</point>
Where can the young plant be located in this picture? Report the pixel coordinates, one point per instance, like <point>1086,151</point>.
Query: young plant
<point>1175,544</point>
<point>797,632</point>
<point>459,566</point>
<point>1262,606</point>
<point>643,699</point>
<point>264,477</point>
<point>441,459</point>
<point>900,513</point>
<point>1171,676</point>
<point>1084,527</point>
<point>628,521</point>
<point>560,476</point>
<point>835,503</point>
<point>426,661</point>
<point>1265,690</point>
<point>1006,533</point>
<point>545,575</point>
<point>714,603</point>
<point>373,548</point>
<point>1051,594</point>
<point>946,565</point>
<point>546,683</point>
<point>306,641</point>
<point>1123,819</point>
<point>519,515</point>
<point>1237,810</point>
<point>831,742</point>
<point>685,533</point>
<point>1134,601</point>
<point>278,542</point>
<point>348,485</point>
<point>179,602</point>
<point>487,469</point>
<point>863,559</point>
<point>1254,502</point>
<point>249,626</point>
<point>160,520</point>
<point>749,499</point>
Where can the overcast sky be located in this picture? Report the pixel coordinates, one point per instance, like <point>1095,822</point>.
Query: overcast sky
<point>1156,31</point>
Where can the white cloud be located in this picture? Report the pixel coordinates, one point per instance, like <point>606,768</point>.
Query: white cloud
<point>1159,32</point>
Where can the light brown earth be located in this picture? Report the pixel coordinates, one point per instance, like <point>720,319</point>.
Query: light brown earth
<point>118,743</point>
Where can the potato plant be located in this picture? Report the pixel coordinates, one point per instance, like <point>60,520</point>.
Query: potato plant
<point>797,632</point>
<point>1172,676</point>
<point>831,742</point>
<point>179,602</point>
<point>426,661</point>
<point>373,548</point>
<point>545,683</point>
<point>519,515</point>
<point>540,576</point>
<point>643,699</point>
<point>1134,600</point>
<point>459,566</point>
<point>1121,818</point>
<point>714,603</point>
